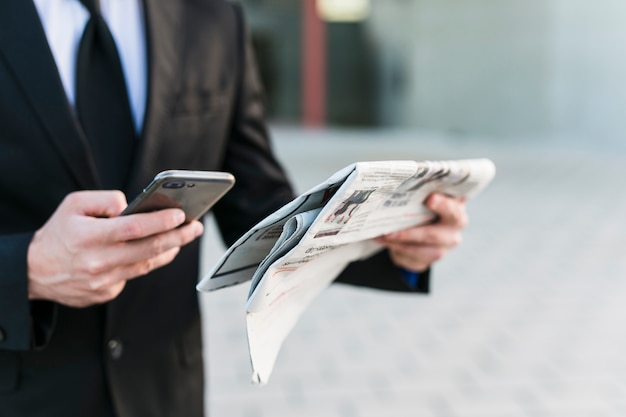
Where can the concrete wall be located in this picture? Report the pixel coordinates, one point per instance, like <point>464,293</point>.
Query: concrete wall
<point>504,67</point>
<point>589,76</point>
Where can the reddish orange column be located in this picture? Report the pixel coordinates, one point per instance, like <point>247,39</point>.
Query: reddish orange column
<point>313,66</point>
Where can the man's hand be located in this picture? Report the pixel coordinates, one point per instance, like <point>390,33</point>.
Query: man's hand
<point>85,253</point>
<point>416,248</point>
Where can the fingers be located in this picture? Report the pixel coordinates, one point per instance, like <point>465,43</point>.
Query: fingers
<point>416,259</point>
<point>95,203</point>
<point>105,287</point>
<point>79,258</point>
<point>98,277</point>
<point>139,226</point>
<point>416,248</point>
<point>450,210</point>
<point>134,252</point>
<point>101,284</point>
<point>436,234</point>
<point>87,297</point>
<point>107,275</point>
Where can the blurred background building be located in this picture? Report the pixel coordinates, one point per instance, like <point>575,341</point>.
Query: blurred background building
<point>526,316</point>
<point>508,69</point>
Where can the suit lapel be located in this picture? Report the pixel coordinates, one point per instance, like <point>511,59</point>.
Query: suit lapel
<point>163,20</point>
<point>23,44</point>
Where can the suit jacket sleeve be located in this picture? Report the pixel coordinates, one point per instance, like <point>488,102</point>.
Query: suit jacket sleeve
<point>379,272</point>
<point>262,185</point>
<point>261,182</point>
<point>23,324</point>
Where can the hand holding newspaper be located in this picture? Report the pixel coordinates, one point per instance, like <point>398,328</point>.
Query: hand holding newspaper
<point>292,255</point>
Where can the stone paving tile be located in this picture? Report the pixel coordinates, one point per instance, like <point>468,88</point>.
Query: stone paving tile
<point>525,319</point>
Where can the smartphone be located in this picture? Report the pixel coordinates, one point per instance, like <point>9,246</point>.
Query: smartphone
<point>195,192</point>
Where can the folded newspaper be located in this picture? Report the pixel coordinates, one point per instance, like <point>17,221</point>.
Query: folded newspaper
<point>292,255</point>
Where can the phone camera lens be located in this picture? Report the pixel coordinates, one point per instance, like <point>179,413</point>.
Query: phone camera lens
<point>174,184</point>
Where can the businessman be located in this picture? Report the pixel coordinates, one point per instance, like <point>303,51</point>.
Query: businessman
<point>98,312</point>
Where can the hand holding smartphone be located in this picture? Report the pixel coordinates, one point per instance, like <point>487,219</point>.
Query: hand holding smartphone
<point>195,192</point>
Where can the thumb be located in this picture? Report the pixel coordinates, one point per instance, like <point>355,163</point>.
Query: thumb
<point>95,203</point>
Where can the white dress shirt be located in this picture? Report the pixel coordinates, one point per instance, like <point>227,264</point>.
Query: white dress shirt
<point>64,22</point>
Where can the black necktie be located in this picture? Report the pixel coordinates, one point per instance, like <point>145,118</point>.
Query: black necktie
<point>102,101</point>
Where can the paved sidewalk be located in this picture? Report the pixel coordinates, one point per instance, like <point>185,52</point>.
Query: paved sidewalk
<point>526,318</point>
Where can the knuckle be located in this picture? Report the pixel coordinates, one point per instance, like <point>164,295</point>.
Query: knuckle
<point>74,249</point>
<point>160,259</point>
<point>95,285</point>
<point>95,266</point>
<point>116,201</point>
<point>170,220</point>
<point>430,235</point>
<point>438,254</point>
<point>119,197</point>
<point>132,230</point>
<point>463,220</point>
<point>71,198</point>
<point>188,235</point>
<point>455,240</point>
<point>99,284</point>
<point>115,290</point>
<point>101,297</point>
<point>109,292</point>
<point>156,246</point>
<point>165,258</point>
<point>145,267</point>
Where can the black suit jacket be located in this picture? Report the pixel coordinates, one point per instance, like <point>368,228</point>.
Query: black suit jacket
<point>204,111</point>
